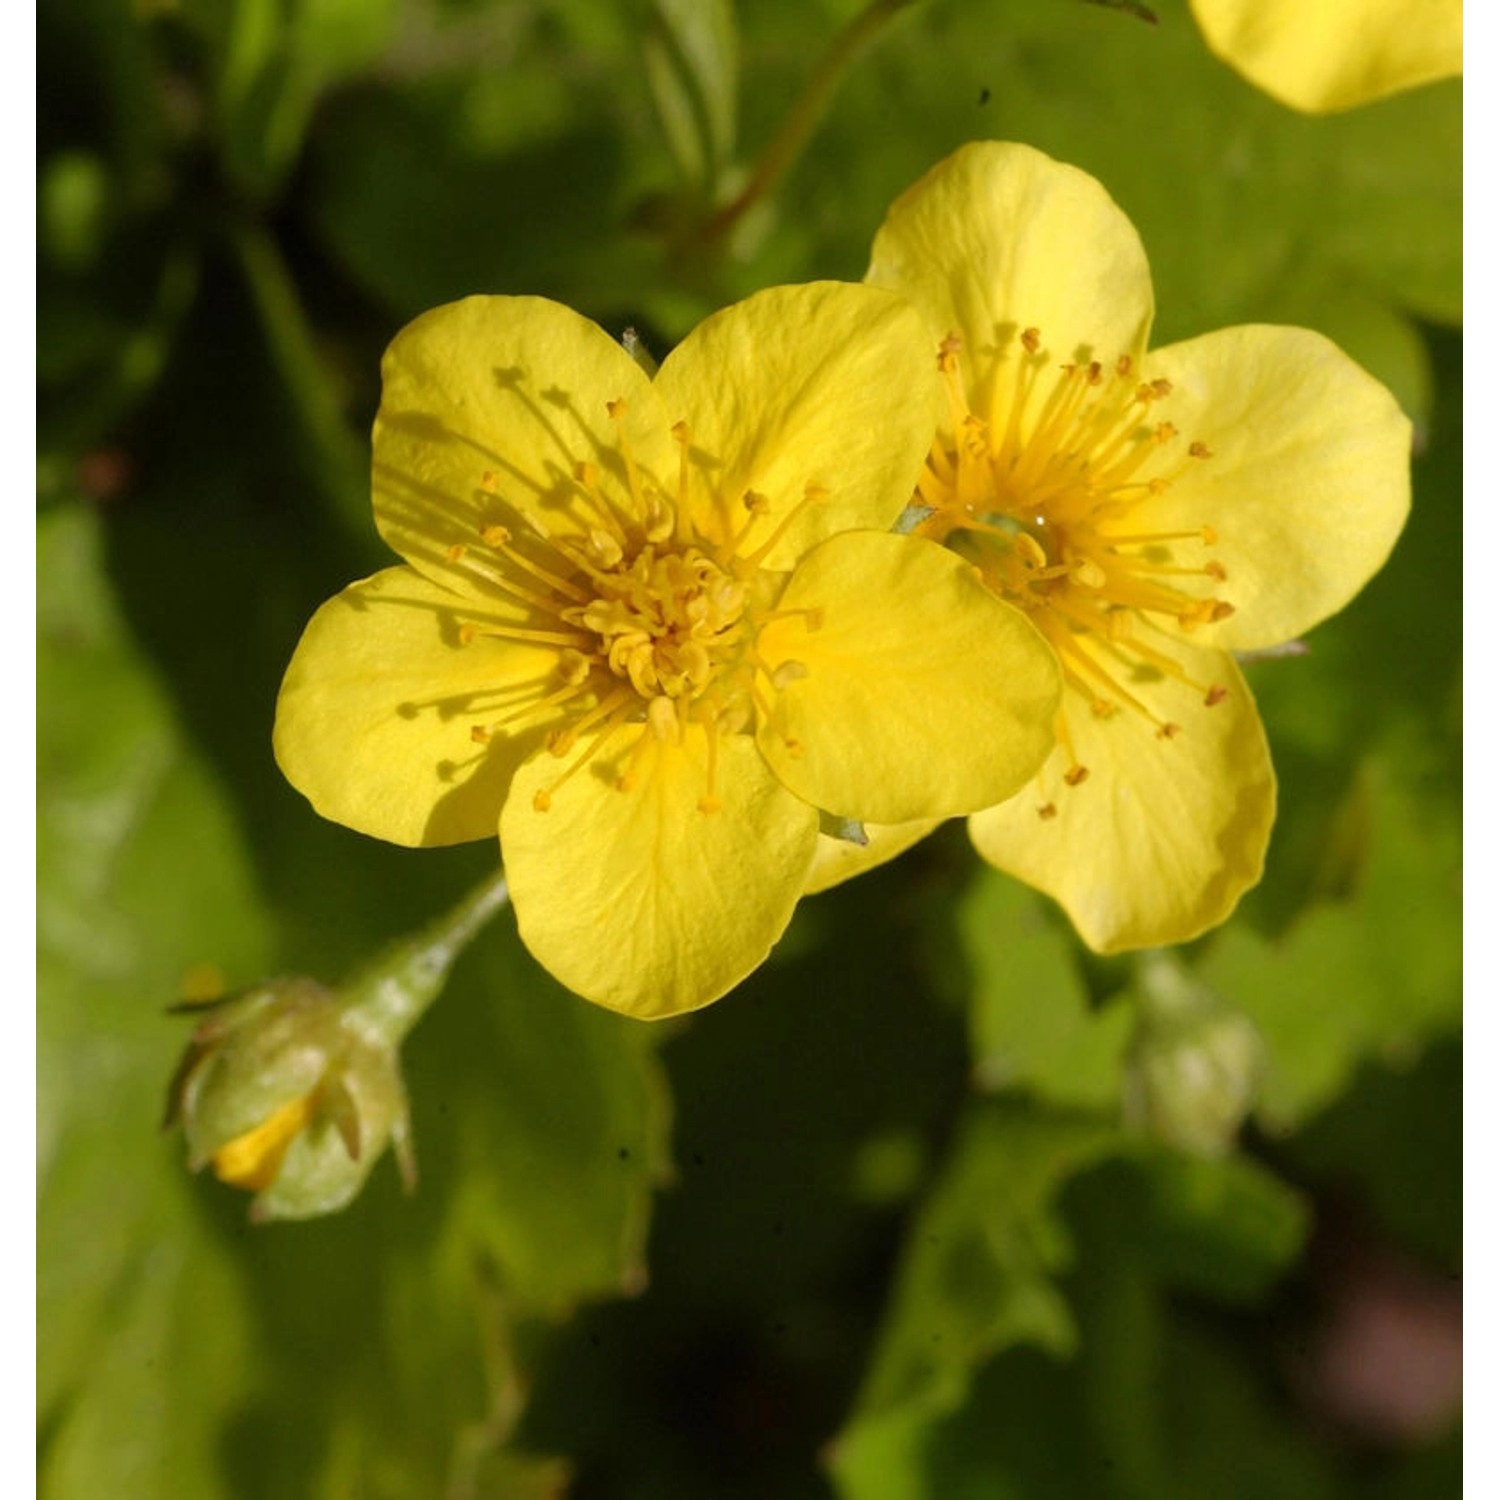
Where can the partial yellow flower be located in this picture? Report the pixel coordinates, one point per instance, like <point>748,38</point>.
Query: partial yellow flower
<point>655,629</point>
<point>1150,513</point>
<point>1324,55</point>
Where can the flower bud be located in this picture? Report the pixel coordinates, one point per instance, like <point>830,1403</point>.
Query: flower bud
<point>292,1091</point>
<point>1193,1066</point>
<point>284,1093</point>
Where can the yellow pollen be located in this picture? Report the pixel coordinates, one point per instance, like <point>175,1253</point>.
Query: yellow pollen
<point>1045,481</point>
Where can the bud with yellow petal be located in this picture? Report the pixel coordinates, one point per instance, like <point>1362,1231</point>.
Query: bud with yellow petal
<point>292,1091</point>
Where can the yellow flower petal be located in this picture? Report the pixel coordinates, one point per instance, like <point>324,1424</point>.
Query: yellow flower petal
<point>487,408</point>
<point>252,1160</point>
<point>1163,835</point>
<point>638,899</point>
<point>1307,484</point>
<point>793,388</point>
<point>838,860</point>
<point>374,720</point>
<point>1324,55</point>
<point>908,691</point>
<point>998,238</point>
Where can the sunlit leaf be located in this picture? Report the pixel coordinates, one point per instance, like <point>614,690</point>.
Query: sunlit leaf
<point>1030,1019</point>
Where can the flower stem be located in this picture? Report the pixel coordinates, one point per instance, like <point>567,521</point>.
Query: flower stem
<point>393,993</point>
<point>788,142</point>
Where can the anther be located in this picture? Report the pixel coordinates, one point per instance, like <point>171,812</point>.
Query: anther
<point>682,433</point>
<point>616,408</point>
<point>1047,811</point>
<point>1031,340</point>
<point>606,551</point>
<point>1210,537</point>
<point>1168,730</point>
<point>1165,432</point>
<point>948,351</point>
<point>1123,366</point>
<point>495,536</point>
<point>1096,372</point>
<point>1076,775</point>
<point>1161,387</point>
<point>1199,450</point>
<point>786,674</point>
<point>1215,695</point>
<point>710,804</point>
<point>488,482</point>
<point>1088,573</point>
<point>455,552</point>
<point>479,734</point>
<point>1216,570</point>
<point>756,503</point>
<point>466,634</point>
<point>542,800</point>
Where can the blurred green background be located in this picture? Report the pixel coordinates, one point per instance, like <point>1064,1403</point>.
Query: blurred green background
<point>875,1225</point>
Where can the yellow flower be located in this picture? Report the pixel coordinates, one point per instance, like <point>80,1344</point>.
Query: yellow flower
<point>1326,55</point>
<point>1150,513</point>
<point>653,628</point>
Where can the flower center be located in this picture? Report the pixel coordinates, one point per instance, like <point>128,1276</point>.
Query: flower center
<point>1052,497</point>
<point>667,623</point>
<point>650,621</point>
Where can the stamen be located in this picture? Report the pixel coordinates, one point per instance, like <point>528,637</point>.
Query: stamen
<point>542,800</point>
<point>683,436</point>
<point>500,540</point>
<point>812,493</point>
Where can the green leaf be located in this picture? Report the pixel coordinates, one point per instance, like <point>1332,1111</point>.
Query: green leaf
<point>1225,1229</point>
<point>692,62</point>
<point>147,1342</point>
<point>1031,1024</point>
<point>1373,975</point>
<point>977,1276</point>
<point>272,63</point>
<point>1141,1401</point>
